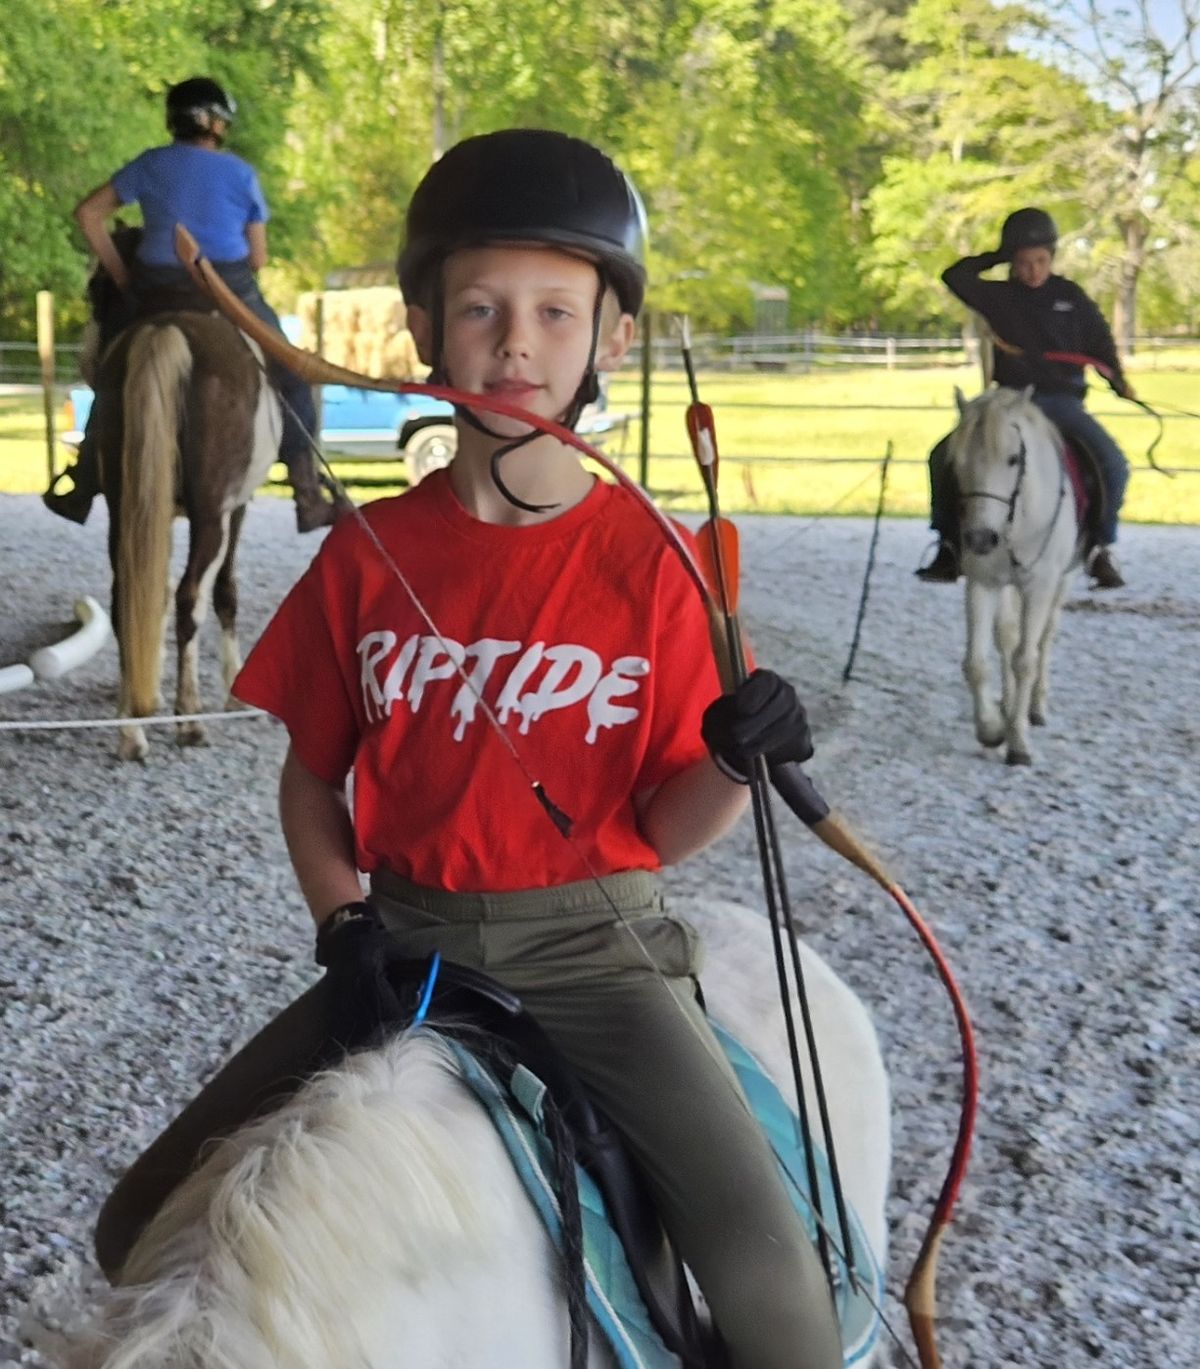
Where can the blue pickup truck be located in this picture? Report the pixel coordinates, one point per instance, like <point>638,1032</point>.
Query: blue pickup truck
<point>367,425</point>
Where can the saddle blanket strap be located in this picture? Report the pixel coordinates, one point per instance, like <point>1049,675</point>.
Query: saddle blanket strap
<point>612,1294</point>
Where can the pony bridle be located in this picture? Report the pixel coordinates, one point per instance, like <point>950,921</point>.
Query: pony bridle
<point>1020,457</point>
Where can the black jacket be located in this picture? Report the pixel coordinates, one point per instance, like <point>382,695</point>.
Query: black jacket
<point>1056,317</point>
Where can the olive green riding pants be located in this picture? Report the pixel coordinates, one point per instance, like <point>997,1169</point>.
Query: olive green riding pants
<point>613,985</point>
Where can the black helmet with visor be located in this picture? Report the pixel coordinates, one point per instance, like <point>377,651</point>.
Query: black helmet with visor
<point>525,186</point>
<point>195,104</point>
<point>1027,228</point>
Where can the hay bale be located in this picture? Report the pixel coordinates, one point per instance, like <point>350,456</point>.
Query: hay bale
<point>362,329</point>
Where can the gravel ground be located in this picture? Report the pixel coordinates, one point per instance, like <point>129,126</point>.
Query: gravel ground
<point>150,923</point>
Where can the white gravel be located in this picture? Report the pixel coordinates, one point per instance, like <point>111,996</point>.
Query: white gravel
<point>148,924</point>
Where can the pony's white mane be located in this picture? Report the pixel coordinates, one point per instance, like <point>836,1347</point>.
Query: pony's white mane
<point>259,1259</point>
<point>986,420</point>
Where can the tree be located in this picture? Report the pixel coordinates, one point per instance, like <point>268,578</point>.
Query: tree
<point>978,128</point>
<point>65,116</point>
<point>81,89</point>
<point>1143,65</point>
<point>734,117</point>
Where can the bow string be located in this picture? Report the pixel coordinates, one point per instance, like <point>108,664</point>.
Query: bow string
<point>796,789</point>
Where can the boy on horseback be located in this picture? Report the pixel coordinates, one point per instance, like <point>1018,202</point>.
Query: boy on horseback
<point>566,630</point>
<point>217,197</point>
<point>1033,312</point>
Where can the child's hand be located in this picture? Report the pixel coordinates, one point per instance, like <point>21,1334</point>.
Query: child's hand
<point>762,717</point>
<point>357,950</point>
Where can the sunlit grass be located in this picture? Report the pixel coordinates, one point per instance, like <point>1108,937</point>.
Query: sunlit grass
<point>766,421</point>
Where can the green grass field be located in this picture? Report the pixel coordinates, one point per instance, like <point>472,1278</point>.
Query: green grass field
<point>792,444</point>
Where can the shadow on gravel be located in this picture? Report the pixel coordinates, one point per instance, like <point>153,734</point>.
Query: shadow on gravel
<point>1162,607</point>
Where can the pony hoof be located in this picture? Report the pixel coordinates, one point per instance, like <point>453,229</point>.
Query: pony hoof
<point>132,749</point>
<point>191,734</point>
<point>1015,757</point>
<point>1037,717</point>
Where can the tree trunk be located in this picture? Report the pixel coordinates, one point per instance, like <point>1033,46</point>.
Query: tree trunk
<point>1134,232</point>
<point>438,81</point>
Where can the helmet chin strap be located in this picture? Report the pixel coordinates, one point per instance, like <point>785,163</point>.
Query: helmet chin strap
<point>586,393</point>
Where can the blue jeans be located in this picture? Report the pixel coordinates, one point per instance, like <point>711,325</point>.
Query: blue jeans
<point>1067,413</point>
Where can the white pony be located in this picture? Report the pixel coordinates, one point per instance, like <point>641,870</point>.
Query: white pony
<point>1021,539</point>
<point>375,1219</point>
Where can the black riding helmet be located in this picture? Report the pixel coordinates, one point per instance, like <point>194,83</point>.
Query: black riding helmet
<point>192,105</point>
<point>526,185</point>
<point>1027,228</point>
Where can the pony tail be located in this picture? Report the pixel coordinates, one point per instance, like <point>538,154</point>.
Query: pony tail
<point>159,366</point>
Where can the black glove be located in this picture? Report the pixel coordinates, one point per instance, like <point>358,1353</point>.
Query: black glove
<point>357,951</point>
<point>762,717</point>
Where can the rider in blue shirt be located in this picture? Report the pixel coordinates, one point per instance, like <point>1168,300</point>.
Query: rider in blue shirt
<point>217,197</point>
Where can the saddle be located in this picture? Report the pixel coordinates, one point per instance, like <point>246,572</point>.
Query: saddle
<point>492,1024</point>
<point>467,1003</point>
<point>172,299</point>
<point>118,312</point>
<point>1087,487</point>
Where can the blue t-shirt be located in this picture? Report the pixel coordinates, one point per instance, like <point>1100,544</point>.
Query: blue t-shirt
<point>213,194</point>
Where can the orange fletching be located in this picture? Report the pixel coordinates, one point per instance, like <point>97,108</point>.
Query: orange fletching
<point>717,542</point>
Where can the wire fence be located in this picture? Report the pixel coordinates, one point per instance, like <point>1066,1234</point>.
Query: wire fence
<point>799,353</point>
<point>802,353</point>
<point>20,365</point>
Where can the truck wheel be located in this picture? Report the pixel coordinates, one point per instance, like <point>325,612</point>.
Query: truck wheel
<point>429,449</point>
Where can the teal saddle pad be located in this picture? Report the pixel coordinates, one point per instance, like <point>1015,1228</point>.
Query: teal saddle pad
<point>515,1107</point>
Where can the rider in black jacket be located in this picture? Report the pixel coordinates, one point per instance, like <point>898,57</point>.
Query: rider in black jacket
<point>1037,312</point>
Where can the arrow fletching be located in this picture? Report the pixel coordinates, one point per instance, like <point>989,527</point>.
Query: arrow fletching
<point>720,561</point>
<point>703,433</point>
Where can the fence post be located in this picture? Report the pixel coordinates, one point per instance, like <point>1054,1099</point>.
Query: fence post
<point>647,371</point>
<point>319,341</point>
<point>45,341</point>
<point>890,345</point>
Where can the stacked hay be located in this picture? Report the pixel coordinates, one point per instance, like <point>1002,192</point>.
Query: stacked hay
<point>362,329</point>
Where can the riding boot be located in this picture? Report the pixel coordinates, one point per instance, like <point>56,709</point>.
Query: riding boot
<point>944,569</point>
<point>313,510</point>
<point>76,503</point>
<point>1103,568</point>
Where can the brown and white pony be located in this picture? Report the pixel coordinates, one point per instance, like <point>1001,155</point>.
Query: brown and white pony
<point>187,424</point>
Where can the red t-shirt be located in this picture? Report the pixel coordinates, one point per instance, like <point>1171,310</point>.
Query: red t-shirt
<point>584,635</point>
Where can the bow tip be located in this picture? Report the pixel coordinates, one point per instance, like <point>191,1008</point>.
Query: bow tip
<point>187,249</point>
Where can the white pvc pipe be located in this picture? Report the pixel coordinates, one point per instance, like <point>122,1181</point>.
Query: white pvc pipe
<point>14,677</point>
<point>52,662</point>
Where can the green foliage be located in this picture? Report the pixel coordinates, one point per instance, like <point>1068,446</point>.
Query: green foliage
<point>81,90</point>
<point>846,151</point>
<point>59,136</point>
<point>979,128</point>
